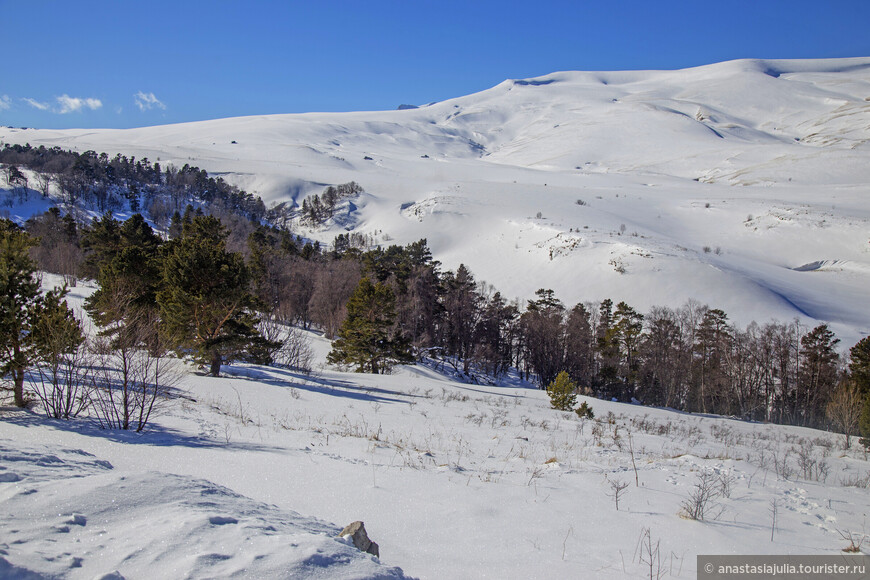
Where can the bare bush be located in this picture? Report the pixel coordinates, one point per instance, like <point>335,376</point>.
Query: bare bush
<point>294,350</point>
<point>855,541</point>
<point>856,480</point>
<point>130,383</point>
<point>726,481</point>
<point>63,386</point>
<point>699,504</point>
<point>812,469</point>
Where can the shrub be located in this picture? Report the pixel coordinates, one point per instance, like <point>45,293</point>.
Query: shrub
<point>584,411</point>
<point>698,505</point>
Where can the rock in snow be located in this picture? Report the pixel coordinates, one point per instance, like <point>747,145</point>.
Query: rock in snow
<point>357,533</point>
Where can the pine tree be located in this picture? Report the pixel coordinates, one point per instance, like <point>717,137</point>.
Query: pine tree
<point>562,392</point>
<point>606,344</point>
<point>818,374</point>
<point>859,369</point>
<point>543,331</point>
<point>205,303</point>
<point>462,305</point>
<point>99,242</point>
<point>19,296</point>
<point>859,364</point>
<point>366,338</point>
<point>125,305</point>
<point>579,345</point>
<point>33,327</point>
<point>628,326</point>
<point>864,423</point>
<point>55,331</point>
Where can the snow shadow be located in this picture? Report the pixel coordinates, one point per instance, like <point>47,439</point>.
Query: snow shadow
<point>154,434</point>
<point>325,386</point>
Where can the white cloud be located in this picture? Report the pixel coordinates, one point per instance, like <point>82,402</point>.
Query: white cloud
<point>35,104</point>
<point>5,102</point>
<point>146,101</point>
<point>70,104</point>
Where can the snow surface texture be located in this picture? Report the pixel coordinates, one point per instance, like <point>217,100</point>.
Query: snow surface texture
<point>68,514</point>
<point>721,183</point>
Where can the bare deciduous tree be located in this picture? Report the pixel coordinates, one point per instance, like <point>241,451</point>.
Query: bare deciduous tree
<point>294,347</point>
<point>844,410</point>
<point>617,490</point>
<point>43,182</point>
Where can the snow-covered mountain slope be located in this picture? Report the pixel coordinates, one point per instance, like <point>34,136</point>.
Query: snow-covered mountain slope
<point>720,183</point>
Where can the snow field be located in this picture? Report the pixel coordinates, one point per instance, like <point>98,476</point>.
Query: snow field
<point>452,480</point>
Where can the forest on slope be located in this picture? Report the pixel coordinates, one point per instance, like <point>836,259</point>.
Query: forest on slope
<point>258,279</point>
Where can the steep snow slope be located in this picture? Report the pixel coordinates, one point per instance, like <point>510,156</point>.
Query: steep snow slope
<point>718,183</point>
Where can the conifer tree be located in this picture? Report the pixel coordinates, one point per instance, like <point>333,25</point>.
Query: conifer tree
<point>19,296</point>
<point>859,368</point>
<point>125,305</point>
<point>205,303</point>
<point>366,338</point>
<point>99,242</point>
<point>562,392</point>
<point>544,336</point>
<point>606,344</point>
<point>55,331</point>
<point>27,318</point>
<point>818,374</point>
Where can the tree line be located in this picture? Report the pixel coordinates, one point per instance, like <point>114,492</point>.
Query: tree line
<point>690,358</point>
<point>114,183</point>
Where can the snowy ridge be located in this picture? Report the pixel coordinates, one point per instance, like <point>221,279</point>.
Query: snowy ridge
<point>711,183</point>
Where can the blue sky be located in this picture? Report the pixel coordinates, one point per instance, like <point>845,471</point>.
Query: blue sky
<point>119,63</point>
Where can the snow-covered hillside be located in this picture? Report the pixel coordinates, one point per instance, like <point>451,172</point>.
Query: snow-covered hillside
<point>742,184</point>
<point>452,480</point>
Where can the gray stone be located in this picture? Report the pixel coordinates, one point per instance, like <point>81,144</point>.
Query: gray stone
<point>357,533</point>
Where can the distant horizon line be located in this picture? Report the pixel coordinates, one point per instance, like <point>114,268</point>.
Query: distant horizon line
<point>412,106</point>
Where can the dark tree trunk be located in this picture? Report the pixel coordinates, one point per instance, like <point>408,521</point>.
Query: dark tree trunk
<point>216,361</point>
<point>18,387</point>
